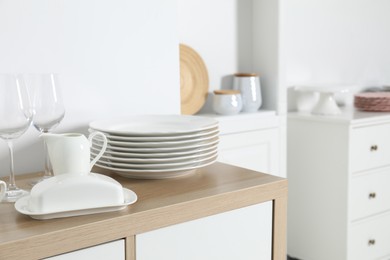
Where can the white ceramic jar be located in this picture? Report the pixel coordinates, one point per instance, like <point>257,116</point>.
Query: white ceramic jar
<point>227,102</point>
<point>249,86</point>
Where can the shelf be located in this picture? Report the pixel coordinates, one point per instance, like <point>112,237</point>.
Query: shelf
<point>243,122</point>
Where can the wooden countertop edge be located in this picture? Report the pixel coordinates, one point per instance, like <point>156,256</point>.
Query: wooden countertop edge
<point>119,227</point>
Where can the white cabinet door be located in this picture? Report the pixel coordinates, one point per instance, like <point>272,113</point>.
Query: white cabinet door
<point>244,233</point>
<point>112,250</point>
<point>254,150</point>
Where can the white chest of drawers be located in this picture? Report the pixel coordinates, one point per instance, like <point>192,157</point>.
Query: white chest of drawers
<point>339,186</point>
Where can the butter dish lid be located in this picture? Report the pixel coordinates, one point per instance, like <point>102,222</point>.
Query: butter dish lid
<point>71,192</point>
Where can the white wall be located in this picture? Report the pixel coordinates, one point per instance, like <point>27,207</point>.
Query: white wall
<point>115,58</point>
<point>337,42</point>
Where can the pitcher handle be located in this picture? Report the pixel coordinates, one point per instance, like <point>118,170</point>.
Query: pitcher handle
<point>104,147</point>
<point>3,188</point>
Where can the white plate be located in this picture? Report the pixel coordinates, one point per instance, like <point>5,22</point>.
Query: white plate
<point>97,146</point>
<point>158,174</point>
<point>195,135</point>
<point>179,143</point>
<point>157,166</point>
<point>21,205</point>
<point>168,155</point>
<point>155,125</point>
<point>156,160</point>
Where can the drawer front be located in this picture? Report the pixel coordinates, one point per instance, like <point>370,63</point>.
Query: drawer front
<point>370,239</point>
<point>370,147</point>
<point>370,193</point>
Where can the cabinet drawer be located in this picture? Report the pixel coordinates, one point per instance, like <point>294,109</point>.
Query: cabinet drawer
<point>370,239</point>
<point>370,193</point>
<point>370,147</point>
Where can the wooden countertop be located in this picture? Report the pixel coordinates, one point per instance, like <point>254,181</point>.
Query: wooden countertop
<point>213,189</point>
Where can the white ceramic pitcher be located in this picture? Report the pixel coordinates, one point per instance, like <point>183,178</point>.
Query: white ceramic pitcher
<point>70,153</point>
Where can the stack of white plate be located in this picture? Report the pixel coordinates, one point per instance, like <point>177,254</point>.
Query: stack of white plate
<point>156,146</point>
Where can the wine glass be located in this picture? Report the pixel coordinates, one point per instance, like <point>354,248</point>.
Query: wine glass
<point>48,108</point>
<point>15,118</point>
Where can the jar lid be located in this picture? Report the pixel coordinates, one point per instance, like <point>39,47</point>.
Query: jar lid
<point>246,75</point>
<point>226,92</point>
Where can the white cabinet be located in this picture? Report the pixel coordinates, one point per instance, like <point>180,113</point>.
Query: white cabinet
<point>339,186</point>
<point>239,234</point>
<point>112,250</point>
<point>255,150</point>
<point>252,141</point>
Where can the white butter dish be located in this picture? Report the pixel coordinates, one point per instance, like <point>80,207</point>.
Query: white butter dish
<point>21,206</point>
<point>69,192</point>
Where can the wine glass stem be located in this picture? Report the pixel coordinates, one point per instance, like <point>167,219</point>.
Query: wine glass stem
<point>11,184</point>
<point>48,170</point>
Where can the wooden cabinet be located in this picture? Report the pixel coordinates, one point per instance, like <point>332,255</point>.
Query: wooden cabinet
<point>339,177</point>
<point>219,212</point>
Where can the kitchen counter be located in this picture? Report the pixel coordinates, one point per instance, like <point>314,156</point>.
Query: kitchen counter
<point>211,190</point>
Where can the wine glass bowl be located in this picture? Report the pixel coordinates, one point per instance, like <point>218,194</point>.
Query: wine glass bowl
<point>47,105</point>
<point>15,119</point>
<point>47,101</point>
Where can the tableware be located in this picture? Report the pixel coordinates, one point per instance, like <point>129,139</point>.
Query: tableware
<point>306,98</point>
<point>169,155</point>
<point>156,144</point>
<point>70,152</point>
<point>3,188</point>
<point>343,97</point>
<point>372,101</point>
<point>48,108</point>
<point>326,104</point>
<point>170,159</point>
<point>194,80</point>
<point>97,145</point>
<point>22,207</point>
<point>160,165</point>
<point>155,125</point>
<point>227,102</point>
<point>249,86</point>
<point>73,192</point>
<point>15,118</point>
<point>173,143</point>
<point>159,173</point>
<point>191,136</point>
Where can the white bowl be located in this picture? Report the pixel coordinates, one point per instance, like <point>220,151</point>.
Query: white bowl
<point>74,192</point>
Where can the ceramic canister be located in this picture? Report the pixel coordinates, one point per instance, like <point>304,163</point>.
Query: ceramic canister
<point>249,86</point>
<point>227,102</point>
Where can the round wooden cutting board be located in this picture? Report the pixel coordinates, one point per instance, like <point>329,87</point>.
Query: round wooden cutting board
<point>194,81</point>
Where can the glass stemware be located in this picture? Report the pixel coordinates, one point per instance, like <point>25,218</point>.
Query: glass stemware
<point>15,118</point>
<point>48,107</point>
